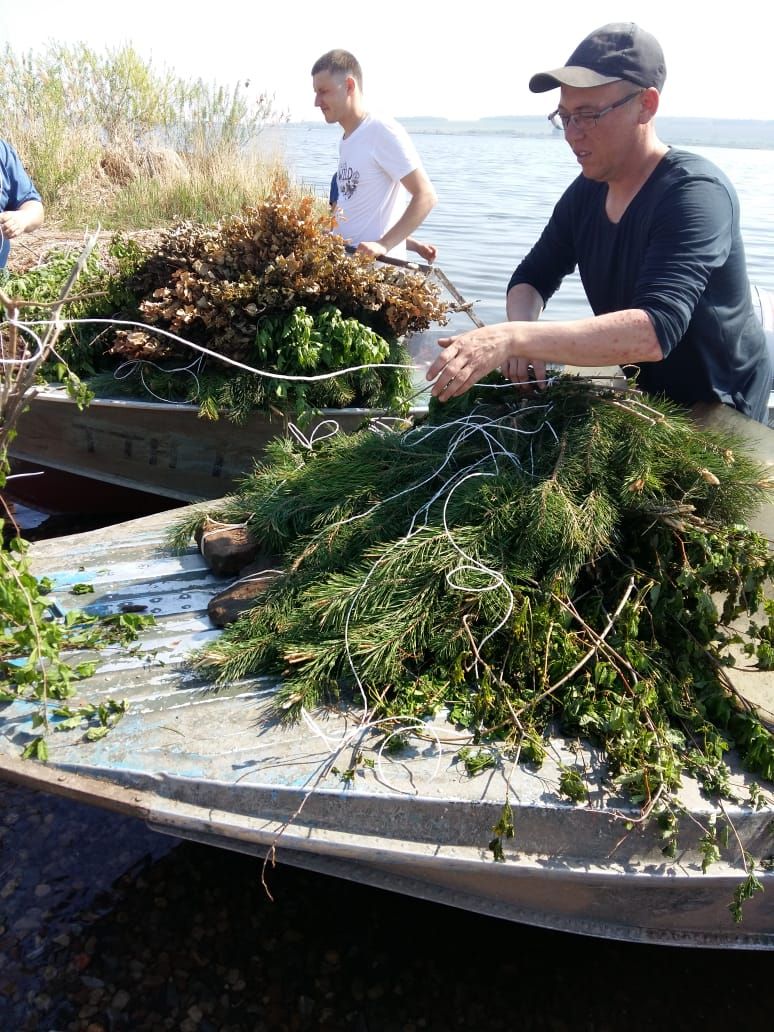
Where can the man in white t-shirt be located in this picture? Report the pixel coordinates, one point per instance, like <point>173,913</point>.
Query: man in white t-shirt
<point>384,192</point>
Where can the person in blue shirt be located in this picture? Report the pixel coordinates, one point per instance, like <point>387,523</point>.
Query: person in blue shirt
<point>21,208</point>
<point>654,232</point>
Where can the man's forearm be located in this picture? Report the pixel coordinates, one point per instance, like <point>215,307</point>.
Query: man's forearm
<point>523,303</point>
<point>522,349</point>
<point>33,213</point>
<point>419,207</point>
<point>617,338</point>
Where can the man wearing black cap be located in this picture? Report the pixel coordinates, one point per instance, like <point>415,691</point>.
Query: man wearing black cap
<point>654,232</point>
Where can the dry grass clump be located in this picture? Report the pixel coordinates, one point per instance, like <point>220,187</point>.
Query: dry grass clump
<point>109,139</point>
<point>123,165</point>
<point>202,188</point>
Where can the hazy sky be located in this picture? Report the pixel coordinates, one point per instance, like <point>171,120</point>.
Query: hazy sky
<point>420,57</point>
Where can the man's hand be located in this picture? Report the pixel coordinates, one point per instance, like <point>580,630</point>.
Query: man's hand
<point>371,247</point>
<point>428,252</point>
<point>12,224</point>
<point>27,216</point>
<point>526,371</point>
<point>467,358</point>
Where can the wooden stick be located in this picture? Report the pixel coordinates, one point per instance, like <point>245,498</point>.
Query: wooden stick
<point>465,306</point>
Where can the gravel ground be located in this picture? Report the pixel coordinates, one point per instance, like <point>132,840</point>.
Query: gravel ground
<point>105,925</point>
<point>32,248</point>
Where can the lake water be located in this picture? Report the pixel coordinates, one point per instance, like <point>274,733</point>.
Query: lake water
<point>497,187</point>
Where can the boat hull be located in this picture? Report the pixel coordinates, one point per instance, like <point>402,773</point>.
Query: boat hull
<point>218,766</point>
<point>116,446</point>
<point>628,900</point>
<point>165,451</point>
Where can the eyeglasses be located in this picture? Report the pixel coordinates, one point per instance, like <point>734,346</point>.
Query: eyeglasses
<point>586,120</point>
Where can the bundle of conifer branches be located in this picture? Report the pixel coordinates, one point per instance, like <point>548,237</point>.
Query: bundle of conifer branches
<point>578,557</point>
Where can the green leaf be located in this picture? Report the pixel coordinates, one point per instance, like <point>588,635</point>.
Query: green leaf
<point>36,750</point>
<point>82,589</point>
<point>95,733</point>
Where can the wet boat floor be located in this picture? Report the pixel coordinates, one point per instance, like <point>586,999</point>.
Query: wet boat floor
<point>105,925</point>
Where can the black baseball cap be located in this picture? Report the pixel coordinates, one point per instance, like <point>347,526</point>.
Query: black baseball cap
<point>620,50</point>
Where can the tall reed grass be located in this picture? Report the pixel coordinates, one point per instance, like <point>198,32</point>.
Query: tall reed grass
<point>207,187</point>
<point>109,138</point>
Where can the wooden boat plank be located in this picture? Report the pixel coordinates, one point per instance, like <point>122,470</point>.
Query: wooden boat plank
<point>164,448</point>
<point>168,450</point>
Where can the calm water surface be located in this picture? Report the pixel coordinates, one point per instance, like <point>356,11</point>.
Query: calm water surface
<point>496,191</point>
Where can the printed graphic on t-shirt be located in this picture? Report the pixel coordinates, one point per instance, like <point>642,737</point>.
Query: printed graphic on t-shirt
<point>348,180</point>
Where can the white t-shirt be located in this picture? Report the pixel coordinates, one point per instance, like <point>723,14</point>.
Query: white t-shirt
<point>372,162</point>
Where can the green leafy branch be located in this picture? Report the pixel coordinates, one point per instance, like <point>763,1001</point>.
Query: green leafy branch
<point>34,646</point>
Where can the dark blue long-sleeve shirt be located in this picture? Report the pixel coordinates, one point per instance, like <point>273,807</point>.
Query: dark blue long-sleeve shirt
<point>677,253</point>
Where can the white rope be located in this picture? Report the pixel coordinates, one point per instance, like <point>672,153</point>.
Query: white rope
<point>466,426</point>
<point>222,358</point>
<point>126,369</point>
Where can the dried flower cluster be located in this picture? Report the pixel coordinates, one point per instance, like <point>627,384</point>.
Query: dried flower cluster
<point>216,283</point>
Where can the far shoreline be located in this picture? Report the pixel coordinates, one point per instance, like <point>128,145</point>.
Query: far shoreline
<point>746,134</point>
